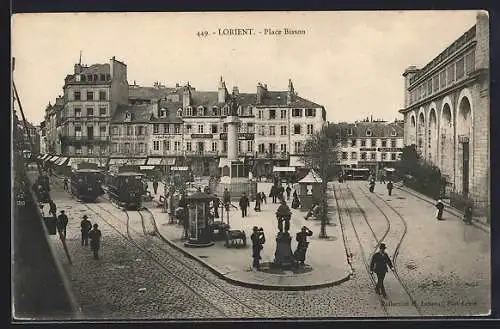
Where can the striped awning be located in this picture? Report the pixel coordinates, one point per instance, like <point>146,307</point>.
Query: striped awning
<point>154,161</point>
<point>54,158</point>
<point>146,167</point>
<point>179,169</point>
<point>130,162</point>
<point>61,160</point>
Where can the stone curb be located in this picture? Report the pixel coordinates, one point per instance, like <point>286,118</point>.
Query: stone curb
<point>451,210</point>
<point>251,284</point>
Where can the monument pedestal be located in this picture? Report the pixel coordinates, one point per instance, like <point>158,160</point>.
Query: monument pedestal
<point>283,256</point>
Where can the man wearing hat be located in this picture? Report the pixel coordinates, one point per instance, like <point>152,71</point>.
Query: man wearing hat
<point>379,263</point>
<point>95,240</point>
<point>258,239</point>
<point>86,226</point>
<point>61,223</point>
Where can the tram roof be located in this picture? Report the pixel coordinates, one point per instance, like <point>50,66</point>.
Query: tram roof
<point>128,174</point>
<point>88,170</point>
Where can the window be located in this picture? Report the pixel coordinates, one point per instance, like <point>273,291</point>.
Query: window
<point>89,77</point>
<point>384,143</point>
<point>469,62</point>
<point>283,148</point>
<point>224,146</point>
<point>188,129</point>
<point>102,111</point>
<point>353,142</point>
<point>115,131</point>
<point>78,131</point>
<point>95,77</point>
<point>250,146</point>
<point>262,148</point>
<point>90,112</point>
<point>140,130</point>
<point>261,130</point>
<point>156,145</point>
<point>214,146</point>
<point>393,143</point>
<point>393,132</point>
<point>344,155</point>
<point>442,79</point>
<point>130,130</point>
<point>310,129</point>
<point>156,128</point>
<point>165,128</point>
<point>177,128</point>
<point>260,115</point>
<point>297,147</point>
<point>393,156</point>
<point>102,95</point>
<point>296,129</point>
<point>363,155</point>
<point>435,83</point>
<point>102,77</point>
<point>363,143</point>
<point>188,146</point>
<point>127,147</point>
<point>354,156</point>
<point>142,147</point>
<point>283,130</point>
<point>166,145</point>
<point>368,132</point>
<point>272,114</point>
<point>78,112</point>
<point>78,150</point>
<point>78,78</point>
<point>383,156</point>
<point>114,147</point>
<point>214,129</point>
<point>450,73</point>
<point>429,87</point>
<point>310,112</point>
<point>250,128</point>
<point>349,131</point>
<point>283,114</point>
<point>200,129</point>
<point>272,130</point>
<point>373,155</point>
<point>179,112</point>
<point>102,130</point>
<point>272,148</point>
<point>240,148</point>
<point>296,112</point>
<point>177,146</point>
<point>90,95</point>
<point>224,128</point>
<point>77,95</point>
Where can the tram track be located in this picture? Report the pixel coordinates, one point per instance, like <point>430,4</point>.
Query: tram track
<point>395,235</point>
<point>364,257</point>
<point>202,287</point>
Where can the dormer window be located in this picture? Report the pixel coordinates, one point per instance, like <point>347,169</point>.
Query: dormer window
<point>225,110</point>
<point>179,112</point>
<point>77,78</point>
<point>393,132</point>
<point>189,111</point>
<point>368,132</point>
<point>240,110</point>
<point>89,77</point>
<point>201,111</point>
<point>215,111</point>
<point>128,116</point>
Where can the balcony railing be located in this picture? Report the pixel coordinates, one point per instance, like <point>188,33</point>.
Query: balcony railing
<point>268,155</point>
<point>90,139</point>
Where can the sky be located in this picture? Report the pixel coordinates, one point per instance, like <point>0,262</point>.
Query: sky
<point>349,62</point>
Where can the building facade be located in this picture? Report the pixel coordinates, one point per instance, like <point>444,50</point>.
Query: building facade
<point>446,112</point>
<point>370,144</point>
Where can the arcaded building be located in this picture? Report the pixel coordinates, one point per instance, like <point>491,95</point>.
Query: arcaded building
<point>446,113</point>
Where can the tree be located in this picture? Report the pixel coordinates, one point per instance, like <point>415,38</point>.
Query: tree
<point>320,154</point>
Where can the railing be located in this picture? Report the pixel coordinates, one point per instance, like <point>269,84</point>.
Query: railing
<point>85,138</point>
<point>281,155</point>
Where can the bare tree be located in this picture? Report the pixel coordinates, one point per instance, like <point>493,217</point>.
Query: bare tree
<point>321,155</point>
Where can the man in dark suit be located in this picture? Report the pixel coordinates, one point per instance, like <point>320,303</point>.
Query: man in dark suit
<point>379,263</point>
<point>244,203</point>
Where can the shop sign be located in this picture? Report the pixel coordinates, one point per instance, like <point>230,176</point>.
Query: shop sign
<point>202,135</point>
<point>390,149</point>
<point>367,149</point>
<point>241,136</point>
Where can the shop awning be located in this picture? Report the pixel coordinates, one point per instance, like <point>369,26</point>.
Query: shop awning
<point>296,161</point>
<point>54,158</point>
<point>179,169</point>
<point>130,162</point>
<point>283,169</point>
<point>169,161</point>
<point>154,161</point>
<point>61,160</point>
<point>390,169</point>
<point>48,157</point>
<point>146,167</point>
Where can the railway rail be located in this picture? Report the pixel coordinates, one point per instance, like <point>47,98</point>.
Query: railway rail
<point>202,287</point>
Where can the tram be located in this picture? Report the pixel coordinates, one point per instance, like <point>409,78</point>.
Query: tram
<point>390,174</point>
<point>356,173</point>
<point>126,187</point>
<point>86,182</point>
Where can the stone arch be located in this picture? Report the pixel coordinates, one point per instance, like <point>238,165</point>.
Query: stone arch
<point>421,134</point>
<point>412,131</point>
<point>432,134</point>
<point>463,130</point>
<point>446,138</point>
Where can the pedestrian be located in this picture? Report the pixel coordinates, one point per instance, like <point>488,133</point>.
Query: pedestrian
<point>440,208</point>
<point>52,208</point>
<point>244,204</point>
<point>257,202</point>
<point>379,263</point>
<point>372,185</point>
<point>263,197</point>
<point>65,183</point>
<point>302,244</point>
<point>85,227</point>
<point>281,192</point>
<point>226,198</point>
<point>314,211</point>
<point>273,193</point>
<point>288,191</point>
<point>155,186</point>
<point>258,239</point>
<point>389,187</point>
<point>61,224</point>
<point>468,214</point>
<point>295,201</point>
<point>283,214</point>
<point>95,240</point>
<point>216,206</point>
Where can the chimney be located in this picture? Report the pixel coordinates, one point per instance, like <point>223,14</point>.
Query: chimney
<point>155,107</point>
<point>222,91</point>
<point>78,68</point>
<point>236,91</point>
<point>260,92</point>
<point>186,96</point>
<point>482,37</point>
<point>290,93</point>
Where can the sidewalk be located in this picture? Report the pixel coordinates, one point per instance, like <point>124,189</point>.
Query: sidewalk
<point>326,262</point>
<point>480,221</point>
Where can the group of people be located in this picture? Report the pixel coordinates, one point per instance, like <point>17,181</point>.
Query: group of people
<point>389,185</point>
